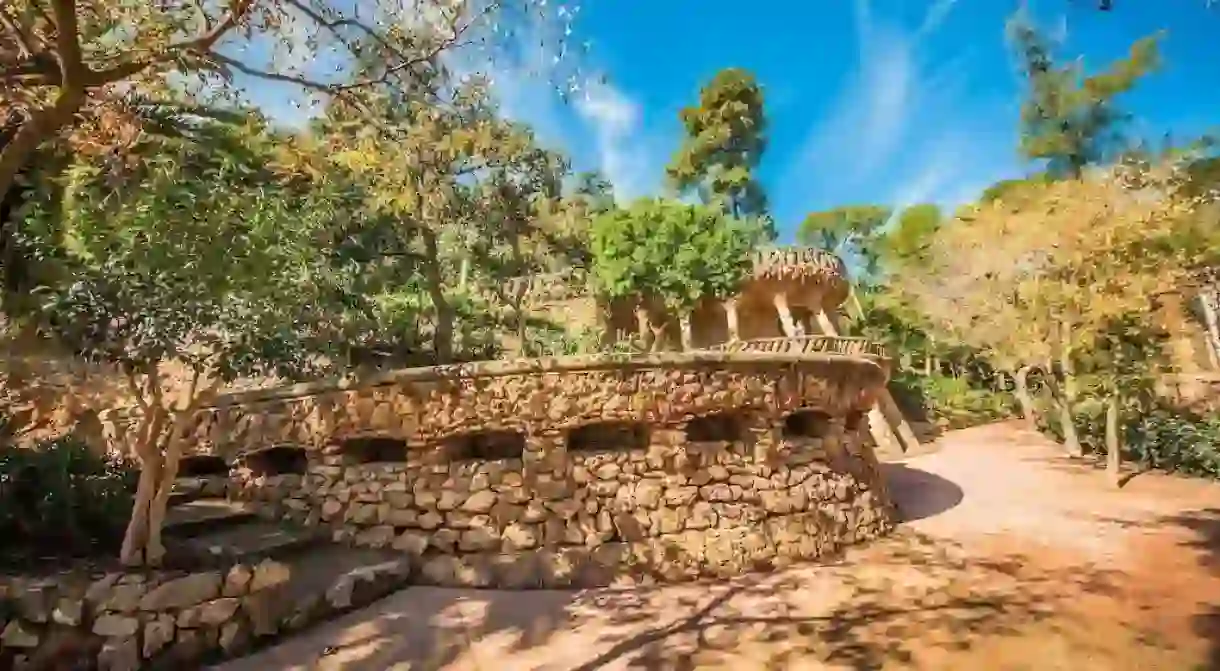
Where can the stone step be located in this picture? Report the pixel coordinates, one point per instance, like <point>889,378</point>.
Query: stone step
<point>200,515</point>
<point>248,542</point>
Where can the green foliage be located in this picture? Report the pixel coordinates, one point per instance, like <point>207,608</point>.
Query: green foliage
<point>725,139</point>
<point>1006,187</point>
<point>1069,119</point>
<point>872,237</point>
<point>195,253</point>
<point>557,341</point>
<point>59,499</point>
<point>672,251</point>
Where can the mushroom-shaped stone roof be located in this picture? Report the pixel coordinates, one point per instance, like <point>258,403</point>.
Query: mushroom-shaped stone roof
<point>797,263</point>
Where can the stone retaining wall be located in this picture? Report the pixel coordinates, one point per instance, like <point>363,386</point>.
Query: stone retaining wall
<point>545,479</point>
<point>673,511</point>
<point>571,471</point>
<point>122,622</point>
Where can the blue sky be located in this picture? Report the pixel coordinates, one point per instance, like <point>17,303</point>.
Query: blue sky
<point>888,101</point>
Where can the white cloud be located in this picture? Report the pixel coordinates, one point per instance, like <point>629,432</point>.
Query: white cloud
<point>614,119</point>
<point>599,125</point>
<point>904,121</point>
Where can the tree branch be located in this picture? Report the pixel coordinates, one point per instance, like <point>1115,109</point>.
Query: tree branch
<point>67,45</point>
<point>25,46</point>
<point>201,44</point>
<point>134,387</point>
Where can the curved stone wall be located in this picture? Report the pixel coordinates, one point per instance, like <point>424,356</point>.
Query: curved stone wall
<point>574,471</point>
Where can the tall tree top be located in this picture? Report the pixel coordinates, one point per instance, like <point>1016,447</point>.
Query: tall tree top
<point>1070,119</point>
<point>725,139</point>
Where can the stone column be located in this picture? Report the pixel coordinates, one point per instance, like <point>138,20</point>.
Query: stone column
<point>827,323</point>
<point>684,329</point>
<point>1207,302</point>
<point>730,315</point>
<point>643,326</point>
<point>885,413</point>
<point>785,314</point>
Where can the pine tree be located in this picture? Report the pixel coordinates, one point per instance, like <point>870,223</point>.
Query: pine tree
<point>1070,119</point>
<point>725,139</point>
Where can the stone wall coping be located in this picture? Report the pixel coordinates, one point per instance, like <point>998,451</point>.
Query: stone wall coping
<point>809,344</point>
<point>503,368</point>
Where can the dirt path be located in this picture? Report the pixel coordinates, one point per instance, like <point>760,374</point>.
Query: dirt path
<point>1012,559</point>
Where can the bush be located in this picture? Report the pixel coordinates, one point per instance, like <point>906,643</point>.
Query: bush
<point>60,499</point>
<point>1163,436</point>
<point>949,402</point>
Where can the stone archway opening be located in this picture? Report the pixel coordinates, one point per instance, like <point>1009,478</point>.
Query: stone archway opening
<point>277,460</point>
<point>807,423</point>
<point>492,445</point>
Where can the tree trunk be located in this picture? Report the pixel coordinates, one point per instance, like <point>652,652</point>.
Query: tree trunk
<point>442,345</point>
<point>1024,398</point>
<point>40,127</point>
<point>730,316</point>
<point>1071,440</point>
<point>154,551</point>
<point>148,452</point>
<point>1114,453</point>
<point>1208,301</point>
<point>643,326</point>
<point>894,416</point>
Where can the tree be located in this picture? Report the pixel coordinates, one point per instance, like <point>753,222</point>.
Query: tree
<point>73,67</point>
<point>850,232</point>
<point>507,234</point>
<point>724,142</point>
<point>874,238</point>
<point>430,174</point>
<point>1070,119</point>
<point>199,262</point>
<point>1069,270</point>
<point>673,252</point>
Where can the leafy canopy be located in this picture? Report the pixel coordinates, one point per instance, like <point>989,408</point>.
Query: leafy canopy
<point>201,255</point>
<point>670,250</point>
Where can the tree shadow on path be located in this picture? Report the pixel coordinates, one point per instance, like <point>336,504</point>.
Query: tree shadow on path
<point>902,600</point>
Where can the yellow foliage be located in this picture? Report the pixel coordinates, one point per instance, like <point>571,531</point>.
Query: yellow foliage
<point>1006,276</point>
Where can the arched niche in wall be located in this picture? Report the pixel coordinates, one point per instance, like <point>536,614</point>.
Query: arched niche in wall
<point>807,423</point>
<point>490,445</point>
<point>614,436</point>
<point>276,460</point>
<point>202,466</point>
<point>719,427</point>
<point>373,450</point>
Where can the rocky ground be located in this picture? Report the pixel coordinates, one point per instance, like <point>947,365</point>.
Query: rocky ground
<point>1012,558</point>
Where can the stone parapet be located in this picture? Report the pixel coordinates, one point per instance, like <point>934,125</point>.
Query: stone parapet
<point>813,344</point>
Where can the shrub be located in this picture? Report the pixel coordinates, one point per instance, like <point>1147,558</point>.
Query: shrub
<point>60,499</point>
<point>1162,436</point>
<point>950,402</point>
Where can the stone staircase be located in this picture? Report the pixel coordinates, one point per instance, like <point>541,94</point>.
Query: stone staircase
<point>213,531</point>
<point>322,578</point>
